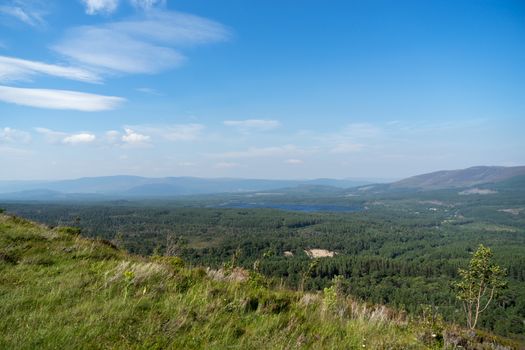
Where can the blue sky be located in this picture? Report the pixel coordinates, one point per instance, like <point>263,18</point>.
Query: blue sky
<point>259,88</point>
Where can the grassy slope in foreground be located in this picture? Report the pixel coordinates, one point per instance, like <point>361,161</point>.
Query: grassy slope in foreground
<point>59,290</point>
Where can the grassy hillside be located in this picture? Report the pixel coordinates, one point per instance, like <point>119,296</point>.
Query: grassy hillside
<point>59,290</point>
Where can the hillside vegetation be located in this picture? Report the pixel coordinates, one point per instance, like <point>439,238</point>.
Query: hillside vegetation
<point>460,178</point>
<point>403,251</point>
<point>59,290</point>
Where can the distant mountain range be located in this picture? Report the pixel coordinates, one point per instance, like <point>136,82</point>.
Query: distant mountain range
<point>460,178</point>
<point>114,187</point>
<point>140,187</point>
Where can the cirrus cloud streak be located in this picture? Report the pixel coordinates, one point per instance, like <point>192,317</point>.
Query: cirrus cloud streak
<point>21,11</point>
<point>59,99</point>
<point>146,45</point>
<point>12,69</point>
<point>100,6</point>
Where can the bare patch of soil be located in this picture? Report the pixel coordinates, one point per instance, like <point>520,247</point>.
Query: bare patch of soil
<point>476,191</point>
<point>319,253</point>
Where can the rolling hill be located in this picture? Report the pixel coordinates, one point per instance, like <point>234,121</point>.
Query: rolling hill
<point>460,178</point>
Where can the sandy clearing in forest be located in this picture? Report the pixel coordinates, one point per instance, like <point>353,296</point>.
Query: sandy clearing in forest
<point>513,211</point>
<point>476,191</point>
<point>319,253</point>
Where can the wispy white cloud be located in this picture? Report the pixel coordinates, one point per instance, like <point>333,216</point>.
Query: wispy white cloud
<point>59,99</point>
<point>362,130</point>
<point>172,132</point>
<point>133,138</point>
<point>294,161</point>
<point>13,69</point>
<point>51,136</point>
<point>182,132</point>
<point>59,137</point>
<point>128,138</point>
<point>10,135</point>
<point>146,45</point>
<point>23,11</point>
<point>76,139</point>
<point>147,4</point>
<point>115,51</point>
<point>425,127</point>
<point>145,135</point>
<point>94,7</point>
<point>112,136</point>
<point>173,29</point>
<point>254,152</point>
<point>106,7</point>
<point>9,151</point>
<point>253,124</point>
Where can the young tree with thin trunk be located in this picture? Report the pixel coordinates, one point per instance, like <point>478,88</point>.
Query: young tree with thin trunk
<point>479,284</point>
